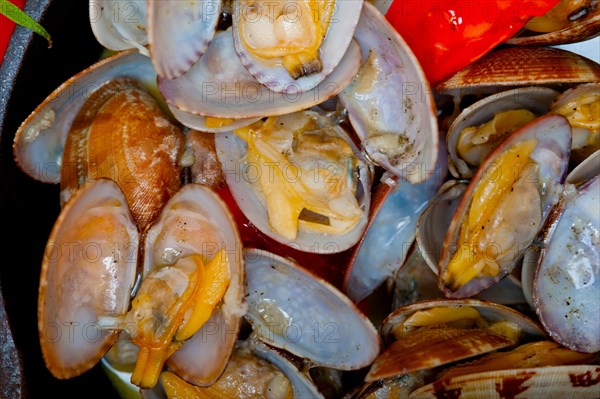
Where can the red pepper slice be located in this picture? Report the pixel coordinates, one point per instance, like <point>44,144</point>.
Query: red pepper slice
<point>446,36</point>
<point>6,28</point>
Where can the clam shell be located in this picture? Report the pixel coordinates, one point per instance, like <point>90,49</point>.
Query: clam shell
<point>534,99</point>
<point>231,151</point>
<point>206,169</point>
<point>332,50</point>
<point>581,147</point>
<point>195,220</point>
<point>524,66</point>
<point>567,282</point>
<point>198,122</point>
<point>179,33</point>
<point>429,348</point>
<point>302,314</point>
<point>490,311</point>
<point>390,233</point>
<point>39,141</point>
<point>122,134</point>
<point>389,103</point>
<point>120,25</point>
<point>586,170</point>
<point>219,86</point>
<point>559,382</point>
<point>583,29</point>
<point>553,135</point>
<point>301,382</point>
<point>88,271</point>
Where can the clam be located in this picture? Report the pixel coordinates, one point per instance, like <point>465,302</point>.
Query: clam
<point>205,166</point>
<point>428,334</point>
<point>581,106</point>
<point>297,180</point>
<point>88,271</point>
<point>567,22</point>
<point>566,285</point>
<point>196,222</point>
<point>179,33</point>
<point>40,140</point>
<point>295,311</point>
<point>389,102</point>
<point>489,231</point>
<point>481,127</point>
<point>120,25</point>
<point>121,133</point>
<point>538,370</point>
<point>192,283</point>
<point>292,47</point>
<point>219,86</point>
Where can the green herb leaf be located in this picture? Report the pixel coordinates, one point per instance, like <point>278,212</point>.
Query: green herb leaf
<point>14,13</point>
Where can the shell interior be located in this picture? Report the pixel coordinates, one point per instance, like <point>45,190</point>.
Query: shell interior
<point>88,271</point>
<point>567,282</point>
<point>120,25</point>
<point>389,102</point>
<point>295,311</point>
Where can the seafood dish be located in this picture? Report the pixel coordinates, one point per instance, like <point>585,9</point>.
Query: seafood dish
<point>311,199</point>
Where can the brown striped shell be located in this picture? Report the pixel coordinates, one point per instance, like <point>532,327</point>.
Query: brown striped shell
<point>122,134</point>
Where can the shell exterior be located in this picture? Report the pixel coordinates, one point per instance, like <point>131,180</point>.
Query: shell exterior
<point>553,142</point>
<point>302,314</point>
<point>334,46</point>
<point>121,133</point>
<point>179,33</point>
<point>232,150</point>
<point>520,66</point>
<point>88,271</point>
<point>534,99</point>
<point>555,382</point>
<point>429,348</point>
<point>196,221</point>
<point>40,140</point>
<point>120,25</point>
<point>219,86</point>
<point>567,282</point>
<point>389,103</point>
<point>206,169</point>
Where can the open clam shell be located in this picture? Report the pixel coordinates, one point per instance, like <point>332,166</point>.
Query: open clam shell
<point>534,99</point>
<point>569,21</point>
<point>463,267</point>
<point>39,141</point>
<point>246,13</point>
<point>431,347</point>
<point>302,314</point>
<point>199,122</point>
<point>179,33</point>
<point>567,284</point>
<point>244,180</point>
<point>581,106</point>
<point>196,221</point>
<point>88,271</point>
<point>218,85</point>
<point>555,382</point>
<point>389,236</point>
<point>120,25</point>
<point>389,102</point>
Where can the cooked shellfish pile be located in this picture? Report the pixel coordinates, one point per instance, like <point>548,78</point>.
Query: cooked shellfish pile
<point>229,149</point>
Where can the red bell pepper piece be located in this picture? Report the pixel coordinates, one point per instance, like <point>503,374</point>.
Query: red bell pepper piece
<point>446,36</point>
